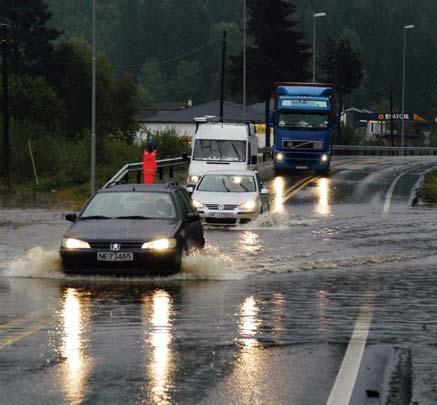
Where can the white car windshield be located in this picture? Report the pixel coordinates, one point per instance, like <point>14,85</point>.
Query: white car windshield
<point>152,205</point>
<point>215,149</point>
<point>227,183</point>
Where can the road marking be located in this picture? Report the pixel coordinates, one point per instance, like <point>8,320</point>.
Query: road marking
<point>391,190</point>
<point>19,321</point>
<point>341,392</point>
<point>14,339</point>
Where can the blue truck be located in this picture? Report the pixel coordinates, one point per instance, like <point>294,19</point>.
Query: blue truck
<point>303,120</point>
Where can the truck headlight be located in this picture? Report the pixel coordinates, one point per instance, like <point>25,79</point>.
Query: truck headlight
<point>69,243</point>
<point>198,204</point>
<point>248,205</point>
<point>160,244</point>
<point>279,157</point>
<point>324,158</point>
<point>194,179</point>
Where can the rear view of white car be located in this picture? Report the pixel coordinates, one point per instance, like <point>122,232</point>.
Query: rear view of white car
<point>230,197</point>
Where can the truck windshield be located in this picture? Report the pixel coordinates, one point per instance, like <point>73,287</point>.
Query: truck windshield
<point>303,119</point>
<point>227,183</point>
<point>215,149</point>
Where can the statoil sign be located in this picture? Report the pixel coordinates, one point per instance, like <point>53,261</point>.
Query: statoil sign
<point>397,116</point>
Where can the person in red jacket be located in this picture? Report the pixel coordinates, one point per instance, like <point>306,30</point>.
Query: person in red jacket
<point>149,164</point>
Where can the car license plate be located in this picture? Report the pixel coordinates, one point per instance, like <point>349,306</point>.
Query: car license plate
<point>221,215</point>
<point>115,256</point>
<point>301,167</point>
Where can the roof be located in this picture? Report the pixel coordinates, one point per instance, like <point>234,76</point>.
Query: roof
<point>139,187</point>
<point>304,91</point>
<point>231,112</point>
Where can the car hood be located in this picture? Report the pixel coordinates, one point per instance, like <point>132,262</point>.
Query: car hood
<point>122,229</point>
<point>223,198</point>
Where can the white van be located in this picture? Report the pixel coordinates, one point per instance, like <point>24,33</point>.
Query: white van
<point>222,146</point>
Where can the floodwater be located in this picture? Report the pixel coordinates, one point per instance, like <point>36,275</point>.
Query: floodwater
<point>264,314</point>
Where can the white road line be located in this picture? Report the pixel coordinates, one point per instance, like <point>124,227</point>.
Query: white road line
<point>390,191</point>
<point>344,384</point>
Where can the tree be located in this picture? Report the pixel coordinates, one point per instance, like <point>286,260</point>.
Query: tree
<point>278,52</point>
<point>30,40</point>
<point>342,65</point>
<point>152,86</point>
<point>187,82</point>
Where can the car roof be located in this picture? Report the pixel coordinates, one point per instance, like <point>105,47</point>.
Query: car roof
<point>234,172</point>
<point>165,188</point>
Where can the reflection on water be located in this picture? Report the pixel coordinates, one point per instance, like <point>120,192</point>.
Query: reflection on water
<point>159,341</point>
<point>323,301</point>
<point>249,322</point>
<point>279,190</point>
<point>77,366</point>
<point>249,242</point>
<point>322,206</point>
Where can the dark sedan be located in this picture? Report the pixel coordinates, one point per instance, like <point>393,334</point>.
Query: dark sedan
<point>132,229</point>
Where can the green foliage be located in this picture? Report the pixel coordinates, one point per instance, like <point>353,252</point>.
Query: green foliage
<point>152,86</point>
<point>170,144</point>
<point>187,81</point>
<point>348,136</point>
<point>30,41</point>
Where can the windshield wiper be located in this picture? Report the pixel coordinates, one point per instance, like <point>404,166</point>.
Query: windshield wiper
<point>95,217</point>
<point>237,152</point>
<point>134,217</point>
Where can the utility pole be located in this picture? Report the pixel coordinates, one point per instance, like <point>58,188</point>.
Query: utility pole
<point>406,27</point>
<point>93,106</point>
<point>5,105</point>
<point>244,61</point>
<point>391,114</point>
<point>222,79</point>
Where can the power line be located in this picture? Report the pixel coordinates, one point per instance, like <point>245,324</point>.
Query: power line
<point>161,62</point>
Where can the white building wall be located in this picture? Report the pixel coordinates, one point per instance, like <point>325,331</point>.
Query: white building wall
<point>182,129</point>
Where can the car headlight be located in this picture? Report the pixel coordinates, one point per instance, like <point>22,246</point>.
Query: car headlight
<point>69,243</point>
<point>280,157</point>
<point>160,244</point>
<point>198,204</point>
<point>324,158</point>
<point>194,179</point>
<point>248,205</point>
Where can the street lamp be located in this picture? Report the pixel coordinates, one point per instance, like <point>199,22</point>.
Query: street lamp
<point>93,106</point>
<point>406,27</point>
<point>244,60</point>
<point>317,15</point>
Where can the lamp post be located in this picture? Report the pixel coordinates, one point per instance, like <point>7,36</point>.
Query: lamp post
<point>93,106</point>
<point>406,27</point>
<point>315,16</point>
<point>244,60</point>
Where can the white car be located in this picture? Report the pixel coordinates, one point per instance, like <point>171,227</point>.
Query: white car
<point>230,197</point>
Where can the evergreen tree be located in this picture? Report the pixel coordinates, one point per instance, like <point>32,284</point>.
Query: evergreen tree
<point>30,40</point>
<point>278,52</point>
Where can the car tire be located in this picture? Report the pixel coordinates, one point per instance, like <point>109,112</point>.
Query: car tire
<point>177,266</point>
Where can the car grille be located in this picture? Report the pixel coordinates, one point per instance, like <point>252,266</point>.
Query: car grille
<point>226,207</point>
<point>124,245</point>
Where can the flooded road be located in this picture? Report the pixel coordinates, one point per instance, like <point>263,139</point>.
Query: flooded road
<point>329,298</point>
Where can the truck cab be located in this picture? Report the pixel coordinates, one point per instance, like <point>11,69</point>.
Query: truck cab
<point>222,146</point>
<point>303,121</point>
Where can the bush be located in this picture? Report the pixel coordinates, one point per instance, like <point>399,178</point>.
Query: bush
<point>169,143</point>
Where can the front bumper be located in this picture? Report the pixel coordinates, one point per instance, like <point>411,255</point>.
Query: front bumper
<point>145,262</point>
<point>301,161</point>
<point>226,217</point>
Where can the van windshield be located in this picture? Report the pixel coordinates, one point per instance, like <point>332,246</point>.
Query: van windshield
<point>216,149</point>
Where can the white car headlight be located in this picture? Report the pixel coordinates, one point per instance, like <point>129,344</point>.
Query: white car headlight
<point>198,204</point>
<point>160,244</point>
<point>194,179</point>
<point>324,158</point>
<point>248,205</point>
<point>280,157</point>
<point>69,243</point>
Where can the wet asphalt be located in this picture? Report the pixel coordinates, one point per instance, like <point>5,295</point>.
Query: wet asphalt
<point>265,314</point>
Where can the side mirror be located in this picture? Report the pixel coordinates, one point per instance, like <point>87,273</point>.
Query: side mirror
<point>189,189</point>
<point>193,216</point>
<point>265,191</point>
<point>254,160</point>
<point>70,216</point>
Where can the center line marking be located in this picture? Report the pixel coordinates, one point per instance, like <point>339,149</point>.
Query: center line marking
<point>341,392</point>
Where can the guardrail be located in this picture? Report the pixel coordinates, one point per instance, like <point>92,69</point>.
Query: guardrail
<point>358,150</point>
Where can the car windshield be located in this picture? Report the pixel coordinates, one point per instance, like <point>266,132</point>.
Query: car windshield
<point>133,204</point>
<point>227,183</point>
<point>225,150</point>
<point>303,120</point>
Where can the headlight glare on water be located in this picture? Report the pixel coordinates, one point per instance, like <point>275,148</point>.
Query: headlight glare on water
<point>70,243</point>
<point>160,244</point>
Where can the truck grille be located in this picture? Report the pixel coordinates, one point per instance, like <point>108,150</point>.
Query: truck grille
<point>302,144</point>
